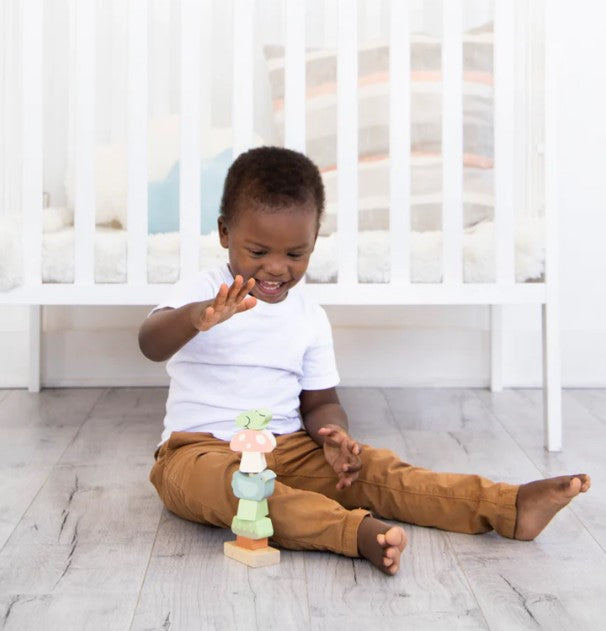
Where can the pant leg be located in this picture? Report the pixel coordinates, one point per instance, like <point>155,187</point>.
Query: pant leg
<point>193,474</point>
<point>396,490</point>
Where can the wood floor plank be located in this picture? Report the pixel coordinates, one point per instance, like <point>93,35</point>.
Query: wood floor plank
<point>556,582</point>
<point>92,547</point>
<point>63,612</point>
<point>36,429</point>
<point>520,412</point>
<point>191,584</point>
<point>429,592</point>
<point>593,399</point>
<point>518,584</point>
<point>89,532</point>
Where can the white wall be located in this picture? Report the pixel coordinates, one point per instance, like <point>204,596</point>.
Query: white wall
<point>415,345</point>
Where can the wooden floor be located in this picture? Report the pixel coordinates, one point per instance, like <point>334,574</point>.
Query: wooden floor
<point>86,544</point>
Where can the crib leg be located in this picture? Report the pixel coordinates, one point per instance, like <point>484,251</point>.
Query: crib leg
<point>35,333</point>
<point>496,348</point>
<point>552,378</point>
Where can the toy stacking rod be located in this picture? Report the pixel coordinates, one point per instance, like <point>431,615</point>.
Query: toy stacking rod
<point>252,484</point>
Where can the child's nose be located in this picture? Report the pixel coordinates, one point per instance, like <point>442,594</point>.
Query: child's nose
<point>276,266</point>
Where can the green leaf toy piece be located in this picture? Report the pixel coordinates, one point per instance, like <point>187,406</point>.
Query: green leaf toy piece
<point>254,419</point>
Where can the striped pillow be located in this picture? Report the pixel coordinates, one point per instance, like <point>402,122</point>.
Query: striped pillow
<point>373,127</point>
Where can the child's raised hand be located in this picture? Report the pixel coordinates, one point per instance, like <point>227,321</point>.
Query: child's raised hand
<point>342,453</point>
<point>228,301</point>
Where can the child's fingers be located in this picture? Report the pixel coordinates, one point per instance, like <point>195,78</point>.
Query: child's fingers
<point>350,448</point>
<point>352,467</point>
<point>221,297</point>
<point>353,447</point>
<point>346,480</point>
<point>234,290</point>
<point>245,290</point>
<point>246,304</point>
<point>333,433</point>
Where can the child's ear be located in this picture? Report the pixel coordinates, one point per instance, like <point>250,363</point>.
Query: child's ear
<point>223,232</point>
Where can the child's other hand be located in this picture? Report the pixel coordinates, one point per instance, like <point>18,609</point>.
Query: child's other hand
<point>227,302</point>
<point>342,453</point>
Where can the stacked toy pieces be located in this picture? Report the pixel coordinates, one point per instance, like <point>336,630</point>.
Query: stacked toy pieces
<point>252,485</point>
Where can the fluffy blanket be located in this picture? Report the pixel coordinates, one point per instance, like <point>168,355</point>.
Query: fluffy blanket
<point>163,253</point>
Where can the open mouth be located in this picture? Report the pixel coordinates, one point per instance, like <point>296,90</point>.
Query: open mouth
<point>270,288</point>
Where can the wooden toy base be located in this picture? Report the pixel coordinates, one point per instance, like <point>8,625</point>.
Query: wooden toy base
<point>252,558</point>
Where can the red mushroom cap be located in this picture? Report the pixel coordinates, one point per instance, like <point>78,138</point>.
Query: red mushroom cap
<point>253,440</point>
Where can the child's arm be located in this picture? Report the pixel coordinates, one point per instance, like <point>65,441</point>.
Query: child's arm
<point>326,422</point>
<point>164,332</point>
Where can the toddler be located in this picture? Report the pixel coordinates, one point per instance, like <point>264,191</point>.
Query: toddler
<point>244,335</point>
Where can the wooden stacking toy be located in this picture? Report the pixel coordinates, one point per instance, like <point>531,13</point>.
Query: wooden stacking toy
<point>252,485</point>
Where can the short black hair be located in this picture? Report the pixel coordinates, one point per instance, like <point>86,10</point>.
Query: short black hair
<point>274,177</point>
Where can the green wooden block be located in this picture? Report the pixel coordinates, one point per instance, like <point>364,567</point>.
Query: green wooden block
<point>251,510</point>
<point>254,419</point>
<point>256,486</point>
<point>252,529</point>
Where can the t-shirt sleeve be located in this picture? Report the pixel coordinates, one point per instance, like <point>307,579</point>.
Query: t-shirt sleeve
<point>319,364</point>
<point>193,289</point>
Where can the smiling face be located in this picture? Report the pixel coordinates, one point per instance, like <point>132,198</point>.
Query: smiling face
<point>272,246</point>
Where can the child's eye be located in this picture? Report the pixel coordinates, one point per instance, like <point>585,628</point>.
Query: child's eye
<point>257,252</point>
<point>295,255</point>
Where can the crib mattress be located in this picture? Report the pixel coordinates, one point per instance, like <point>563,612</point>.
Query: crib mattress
<point>373,256</point>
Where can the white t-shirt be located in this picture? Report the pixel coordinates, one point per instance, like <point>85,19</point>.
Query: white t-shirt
<point>261,358</point>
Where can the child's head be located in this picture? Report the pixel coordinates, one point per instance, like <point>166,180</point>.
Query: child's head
<point>272,177</point>
<point>272,203</point>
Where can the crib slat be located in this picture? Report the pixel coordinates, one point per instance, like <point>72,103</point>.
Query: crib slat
<point>160,29</point>
<point>243,75</point>
<point>206,65</point>
<point>552,360</point>
<point>189,166</point>
<point>137,143</point>
<point>347,141</point>
<point>84,197</point>
<point>294,75</point>
<point>452,142</point>
<point>399,142</point>
<point>504,218</point>
<point>370,24</point>
<point>31,172</point>
<point>330,18</point>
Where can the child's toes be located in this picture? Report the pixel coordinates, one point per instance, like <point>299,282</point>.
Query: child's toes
<point>585,482</point>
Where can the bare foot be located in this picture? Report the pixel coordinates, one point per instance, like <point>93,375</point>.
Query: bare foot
<point>381,544</point>
<point>537,502</point>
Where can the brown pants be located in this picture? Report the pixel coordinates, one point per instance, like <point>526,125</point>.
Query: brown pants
<point>193,472</point>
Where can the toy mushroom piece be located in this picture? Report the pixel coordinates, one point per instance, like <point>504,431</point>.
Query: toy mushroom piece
<point>253,444</point>
<point>254,419</point>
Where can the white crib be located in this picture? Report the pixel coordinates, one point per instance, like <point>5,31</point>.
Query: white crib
<point>347,290</point>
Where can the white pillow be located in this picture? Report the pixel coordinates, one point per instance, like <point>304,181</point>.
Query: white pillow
<point>111,166</point>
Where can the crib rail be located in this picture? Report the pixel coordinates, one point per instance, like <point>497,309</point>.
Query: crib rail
<point>195,17</point>
<point>452,142</point>
<point>31,172</point>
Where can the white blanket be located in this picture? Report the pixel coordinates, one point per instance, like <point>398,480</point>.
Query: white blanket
<point>373,254</point>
